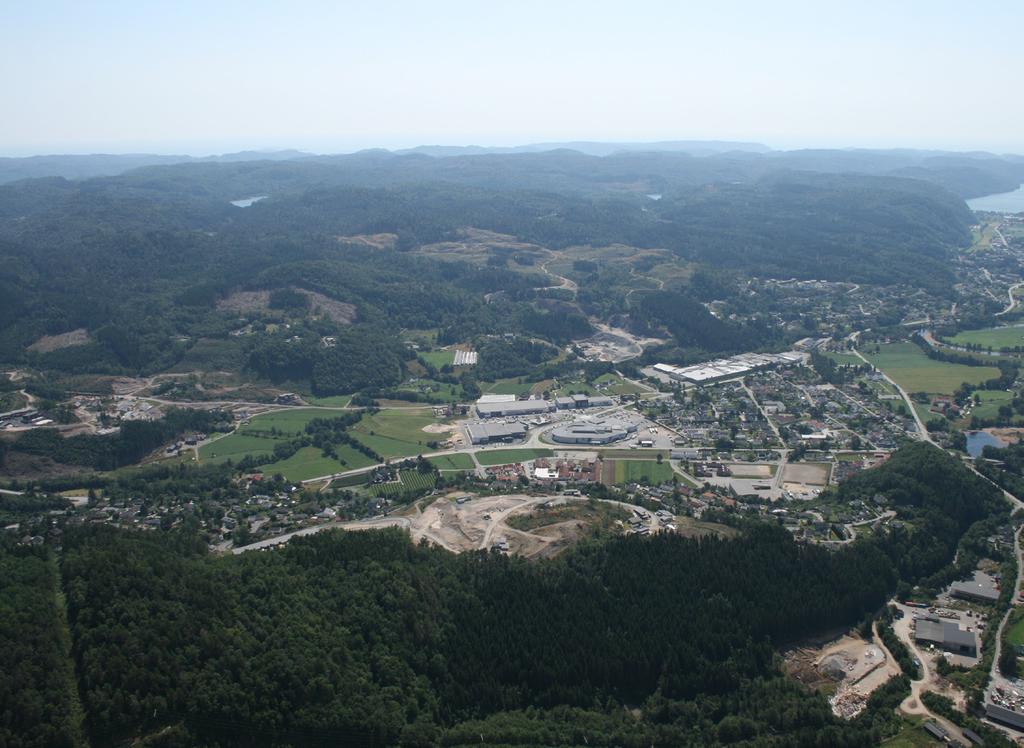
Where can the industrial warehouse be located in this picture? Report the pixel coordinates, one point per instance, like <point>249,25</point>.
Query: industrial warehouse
<point>500,406</point>
<point>947,635</point>
<point>593,432</point>
<point>583,401</point>
<point>490,433</point>
<point>729,368</point>
<point>490,409</point>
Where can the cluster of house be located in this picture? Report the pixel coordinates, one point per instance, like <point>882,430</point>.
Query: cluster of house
<point>550,472</point>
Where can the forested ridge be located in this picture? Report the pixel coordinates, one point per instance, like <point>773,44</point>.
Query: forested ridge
<point>366,639</point>
<point>145,261</point>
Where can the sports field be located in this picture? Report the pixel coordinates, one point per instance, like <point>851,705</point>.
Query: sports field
<point>915,372</point>
<point>506,456</point>
<point>993,337</point>
<point>636,471</point>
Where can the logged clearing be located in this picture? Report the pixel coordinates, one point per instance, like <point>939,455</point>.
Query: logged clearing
<point>254,301</point>
<point>49,343</point>
<point>848,669</point>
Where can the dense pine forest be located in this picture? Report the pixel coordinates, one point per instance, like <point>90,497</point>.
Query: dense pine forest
<point>366,639</point>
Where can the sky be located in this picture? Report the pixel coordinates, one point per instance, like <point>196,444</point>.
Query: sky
<point>219,76</point>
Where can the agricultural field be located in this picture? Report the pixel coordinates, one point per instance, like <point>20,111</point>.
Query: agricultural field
<point>452,462</point>
<point>915,372</point>
<point>637,471</point>
<point>396,433</point>
<point>309,462</point>
<point>408,480</point>
<point>506,456</point>
<point>993,337</point>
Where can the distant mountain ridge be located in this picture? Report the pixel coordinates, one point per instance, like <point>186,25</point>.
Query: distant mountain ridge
<point>579,166</point>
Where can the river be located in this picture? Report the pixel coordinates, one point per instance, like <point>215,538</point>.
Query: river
<point>1004,202</point>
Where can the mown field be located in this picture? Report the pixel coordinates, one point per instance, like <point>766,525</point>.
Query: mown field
<point>438,359</point>
<point>506,456</point>
<point>993,337</point>
<point>309,462</point>
<point>990,402</point>
<point>452,462</point>
<point>396,433</point>
<point>258,437</point>
<point>915,372</point>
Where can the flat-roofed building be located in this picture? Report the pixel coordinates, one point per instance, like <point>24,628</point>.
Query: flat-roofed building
<point>981,589</point>
<point>488,433</point>
<point>515,408</point>
<point>1005,715</point>
<point>947,635</point>
<point>593,432</point>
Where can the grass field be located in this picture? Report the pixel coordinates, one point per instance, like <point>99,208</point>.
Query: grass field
<point>990,402</point>
<point>408,480</point>
<point>289,421</point>
<point>438,359</point>
<point>235,447</point>
<point>616,385</point>
<point>994,337</point>
<point>635,471</point>
<point>396,433</point>
<point>333,401</point>
<point>309,462</point>
<point>915,372</point>
<point>506,456</point>
<point>452,462</point>
<point>842,358</point>
<point>1015,631</point>
<point>508,387</point>
<point>911,736</point>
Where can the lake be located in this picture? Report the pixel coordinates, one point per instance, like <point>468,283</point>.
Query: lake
<point>245,202</point>
<point>1004,202</point>
<point>978,440</point>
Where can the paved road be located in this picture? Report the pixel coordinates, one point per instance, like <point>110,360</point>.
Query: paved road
<point>1012,299</point>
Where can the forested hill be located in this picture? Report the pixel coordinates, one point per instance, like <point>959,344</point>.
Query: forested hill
<point>364,639</point>
<point>141,261</point>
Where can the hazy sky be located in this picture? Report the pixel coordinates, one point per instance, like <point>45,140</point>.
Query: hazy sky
<point>215,76</point>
